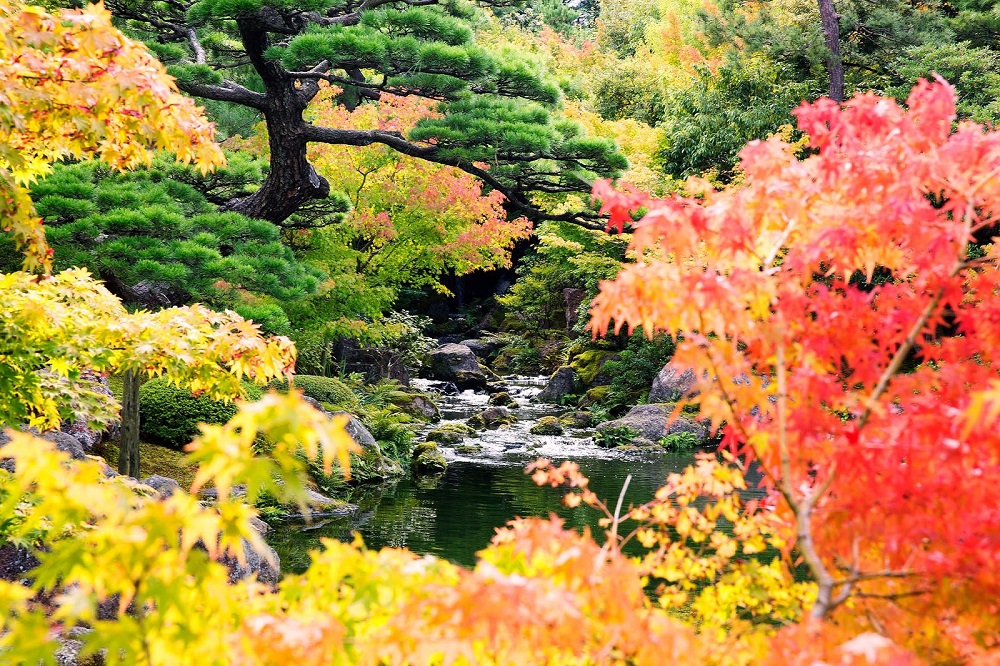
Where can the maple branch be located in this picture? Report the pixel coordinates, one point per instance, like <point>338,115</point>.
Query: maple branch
<point>858,577</point>
<point>785,459</point>
<point>897,360</point>
<point>618,510</point>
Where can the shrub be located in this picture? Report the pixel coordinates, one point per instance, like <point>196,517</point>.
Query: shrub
<point>611,438</point>
<point>170,415</point>
<point>637,365</point>
<point>680,441</point>
<point>321,389</point>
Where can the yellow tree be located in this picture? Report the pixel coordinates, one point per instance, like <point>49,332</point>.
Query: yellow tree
<point>73,87</point>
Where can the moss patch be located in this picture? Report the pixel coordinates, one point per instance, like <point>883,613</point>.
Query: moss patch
<point>588,364</point>
<point>155,459</point>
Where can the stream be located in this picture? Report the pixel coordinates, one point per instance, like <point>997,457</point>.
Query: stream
<point>455,515</point>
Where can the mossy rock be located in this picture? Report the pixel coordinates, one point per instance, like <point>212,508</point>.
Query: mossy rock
<point>446,437</point>
<point>579,419</point>
<point>492,418</point>
<point>322,389</point>
<point>170,415</point>
<point>588,365</point>
<point>468,449</point>
<point>460,428</point>
<point>595,396</point>
<point>427,459</point>
<point>547,425</point>
<point>502,399</point>
<point>420,406</point>
<point>424,447</point>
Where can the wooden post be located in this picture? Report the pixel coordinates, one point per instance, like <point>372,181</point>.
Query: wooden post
<point>128,456</point>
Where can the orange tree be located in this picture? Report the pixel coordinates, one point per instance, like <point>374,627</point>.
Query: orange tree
<point>843,327</point>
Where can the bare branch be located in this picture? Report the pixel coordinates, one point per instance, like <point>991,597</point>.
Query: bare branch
<point>199,50</point>
<point>226,92</point>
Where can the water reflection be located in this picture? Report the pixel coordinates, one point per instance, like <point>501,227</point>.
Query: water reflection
<point>457,514</point>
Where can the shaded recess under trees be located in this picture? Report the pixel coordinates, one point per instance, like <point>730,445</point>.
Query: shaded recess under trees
<point>497,111</point>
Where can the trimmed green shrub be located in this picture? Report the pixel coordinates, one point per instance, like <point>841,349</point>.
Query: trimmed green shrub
<point>170,415</point>
<point>321,389</point>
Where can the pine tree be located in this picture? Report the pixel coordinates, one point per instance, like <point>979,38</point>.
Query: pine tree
<point>157,241</point>
<point>498,121</point>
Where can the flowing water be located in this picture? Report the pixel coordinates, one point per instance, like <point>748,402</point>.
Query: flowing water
<point>455,515</point>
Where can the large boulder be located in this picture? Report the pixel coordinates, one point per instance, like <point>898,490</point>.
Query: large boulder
<point>547,425</point>
<point>577,419</point>
<point>450,434</point>
<point>492,418</point>
<point>428,460</point>
<point>563,382</point>
<point>573,297</point>
<point>502,399</point>
<point>420,406</point>
<point>266,566</point>
<point>589,366</point>
<point>163,485</point>
<point>653,422</point>
<point>65,443</point>
<point>481,347</point>
<point>672,384</point>
<point>457,363</point>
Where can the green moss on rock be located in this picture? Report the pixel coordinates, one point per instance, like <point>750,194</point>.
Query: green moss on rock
<point>547,425</point>
<point>427,459</point>
<point>588,364</point>
<point>322,389</point>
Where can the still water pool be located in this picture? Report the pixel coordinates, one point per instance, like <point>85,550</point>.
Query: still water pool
<point>455,515</point>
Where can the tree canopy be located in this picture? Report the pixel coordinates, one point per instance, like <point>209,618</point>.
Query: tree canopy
<point>497,111</point>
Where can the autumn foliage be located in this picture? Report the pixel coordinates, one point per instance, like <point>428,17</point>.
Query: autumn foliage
<point>843,328</point>
<point>74,86</point>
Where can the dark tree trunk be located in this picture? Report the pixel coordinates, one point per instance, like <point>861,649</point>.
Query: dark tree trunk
<point>292,181</point>
<point>834,63</point>
<point>128,455</point>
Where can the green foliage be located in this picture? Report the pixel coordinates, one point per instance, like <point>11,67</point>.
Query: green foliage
<point>271,318</point>
<point>679,441</point>
<point>516,355</point>
<point>392,428</point>
<point>975,73</point>
<point>637,365</point>
<point>566,256</point>
<point>708,122</point>
<point>630,89</point>
<point>610,438</point>
<point>322,389</point>
<point>149,227</point>
<point>170,415</point>
<point>534,16</point>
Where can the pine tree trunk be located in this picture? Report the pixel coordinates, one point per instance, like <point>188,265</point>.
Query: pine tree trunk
<point>128,455</point>
<point>291,181</point>
<point>834,63</point>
